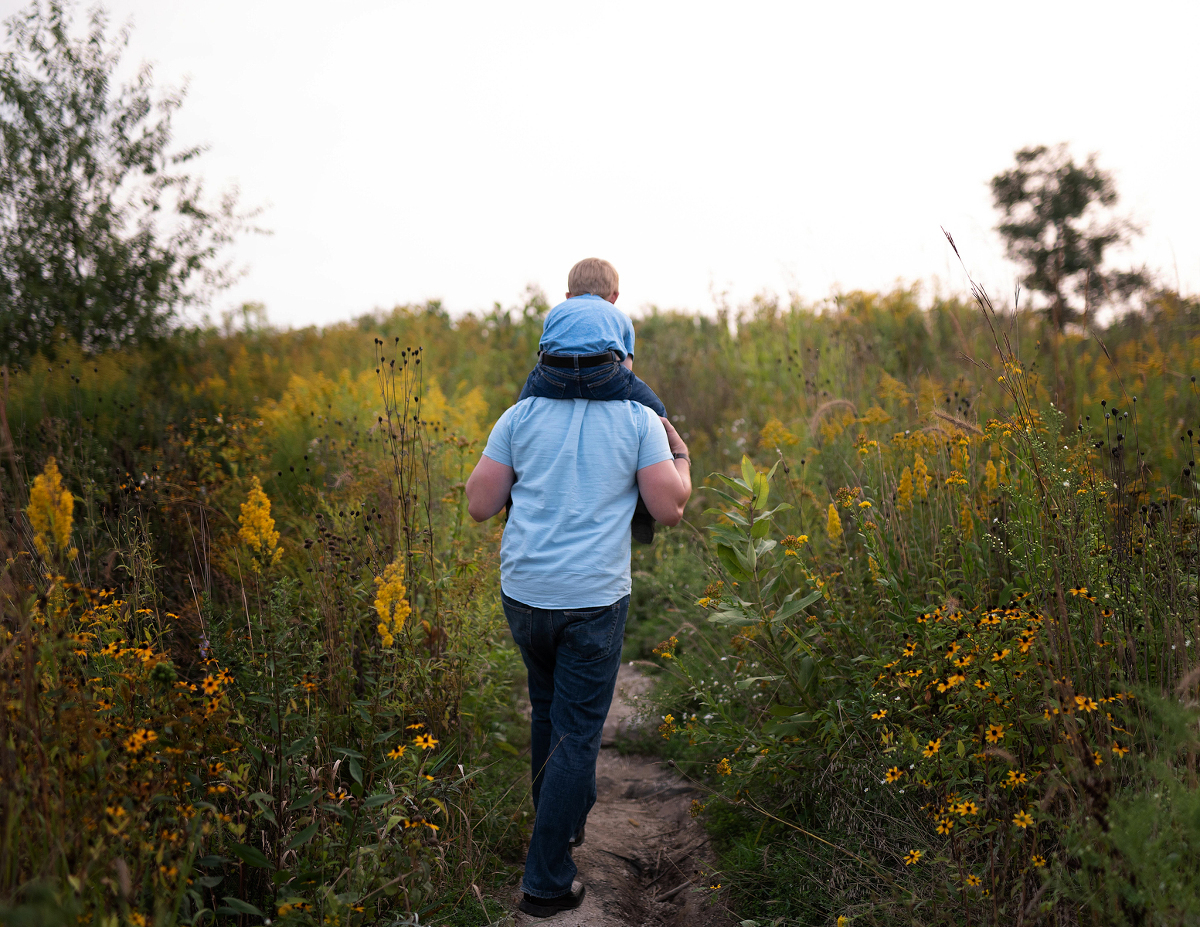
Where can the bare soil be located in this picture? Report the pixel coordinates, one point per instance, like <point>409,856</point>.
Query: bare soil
<point>644,858</point>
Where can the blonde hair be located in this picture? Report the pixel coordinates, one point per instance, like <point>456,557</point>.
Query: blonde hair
<point>592,275</point>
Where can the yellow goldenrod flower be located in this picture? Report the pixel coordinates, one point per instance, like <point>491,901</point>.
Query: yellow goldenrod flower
<point>50,512</point>
<point>904,490</point>
<point>723,768</point>
<point>258,528</point>
<point>833,524</point>
<point>990,480</point>
<point>774,434</point>
<point>390,602</point>
<point>920,477</point>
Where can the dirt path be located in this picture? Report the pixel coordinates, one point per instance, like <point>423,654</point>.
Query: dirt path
<point>644,854</point>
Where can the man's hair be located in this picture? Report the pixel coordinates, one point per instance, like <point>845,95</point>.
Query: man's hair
<point>592,275</point>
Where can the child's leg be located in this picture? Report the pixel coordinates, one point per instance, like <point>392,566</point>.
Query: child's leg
<point>618,382</point>
<point>640,392</point>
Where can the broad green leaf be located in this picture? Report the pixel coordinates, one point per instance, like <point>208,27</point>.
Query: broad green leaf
<point>761,527</point>
<point>303,837</point>
<point>251,856</point>
<point>242,907</point>
<point>762,488</point>
<point>753,680</point>
<point>748,473</point>
<point>736,484</point>
<point>355,769</point>
<point>732,564</point>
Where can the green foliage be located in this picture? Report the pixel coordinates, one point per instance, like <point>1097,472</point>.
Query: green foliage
<point>1050,227</point>
<point>102,236</point>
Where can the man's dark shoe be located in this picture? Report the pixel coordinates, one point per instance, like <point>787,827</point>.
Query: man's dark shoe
<point>642,525</point>
<point>577,840</point>
<point>548,907</point>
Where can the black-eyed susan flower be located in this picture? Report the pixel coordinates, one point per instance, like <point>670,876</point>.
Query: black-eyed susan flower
<point>932,747</point>
<point>878,715</point>
<point>210,685</point>
<point>1119,750</point>
<point>982,683</point>
<point>894,774</point>
<point>1084,703</point>
<point>999,655</point>
<point>1015,779</point>
<point>995,733</point>
<point>396,752</point>
<point>913,857</point>
<point>1023,819</point>
<point>425,741</point>
<point>974,881</point>
<point>1097,759</point>
<point>1038,861</point>
<point>1079,590</point>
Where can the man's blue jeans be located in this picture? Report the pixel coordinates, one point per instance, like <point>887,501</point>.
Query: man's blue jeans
<point>572,656</point>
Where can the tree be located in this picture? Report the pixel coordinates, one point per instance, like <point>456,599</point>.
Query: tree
<point>1055,225</point>
<point>104,237</point>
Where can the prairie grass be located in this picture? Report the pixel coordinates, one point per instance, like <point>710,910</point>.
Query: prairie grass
<point>262,672</point>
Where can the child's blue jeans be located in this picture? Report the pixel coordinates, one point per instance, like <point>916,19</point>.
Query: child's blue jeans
<point>605,381</point>
<point>572,656</point>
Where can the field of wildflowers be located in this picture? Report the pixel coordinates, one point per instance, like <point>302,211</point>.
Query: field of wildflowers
<point>927,641</point>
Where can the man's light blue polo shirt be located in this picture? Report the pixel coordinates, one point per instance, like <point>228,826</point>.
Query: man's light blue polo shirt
<point>566,544</point>
<point>586,324</point>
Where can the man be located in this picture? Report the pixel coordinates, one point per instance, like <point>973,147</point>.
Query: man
<point>574,468</point>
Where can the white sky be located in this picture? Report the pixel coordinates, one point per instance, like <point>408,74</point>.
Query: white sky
<point>411,150</point>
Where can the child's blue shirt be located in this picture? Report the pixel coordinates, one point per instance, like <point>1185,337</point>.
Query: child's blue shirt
<point>587,324</point>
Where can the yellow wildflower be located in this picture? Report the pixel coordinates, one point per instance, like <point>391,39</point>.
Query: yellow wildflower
<point>966,520</point>
<point>894,774</point>
<point>258,527</point>
<point>1023,819</point>
<point>390,602</point>
<point>990,479</point>
<point>920,477</point>
<point>425,741</point>
<point>904,491</point>
<point>833,524</point>
<point>995,733</point>
<point>912,857</point>
<point>723,768</point>
<point>933,747</point>
<point>774,434</point>
<point>50,512</point>
<point>1038,861</point>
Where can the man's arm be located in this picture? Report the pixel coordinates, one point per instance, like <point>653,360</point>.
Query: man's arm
<point>667,485</point>
<point>488,488</point>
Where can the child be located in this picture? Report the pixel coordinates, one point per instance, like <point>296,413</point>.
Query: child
<point>586,352</point>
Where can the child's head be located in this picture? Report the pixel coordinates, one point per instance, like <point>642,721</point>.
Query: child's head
<point>594,276</point>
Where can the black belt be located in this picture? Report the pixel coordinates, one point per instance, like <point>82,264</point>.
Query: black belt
<point>576,361</point>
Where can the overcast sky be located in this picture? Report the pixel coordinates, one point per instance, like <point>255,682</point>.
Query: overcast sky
<point>413,150</point>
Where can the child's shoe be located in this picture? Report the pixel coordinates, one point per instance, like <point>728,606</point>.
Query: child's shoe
<point>642,526</point>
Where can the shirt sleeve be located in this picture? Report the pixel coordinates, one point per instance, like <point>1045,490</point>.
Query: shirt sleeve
<point>499,444</point>
<point>628,334</point>
<point>654,448</point>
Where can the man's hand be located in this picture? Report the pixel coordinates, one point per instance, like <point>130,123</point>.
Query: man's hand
<point>676,442</point>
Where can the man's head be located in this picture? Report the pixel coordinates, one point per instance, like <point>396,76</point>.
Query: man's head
<point>594,276</point>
